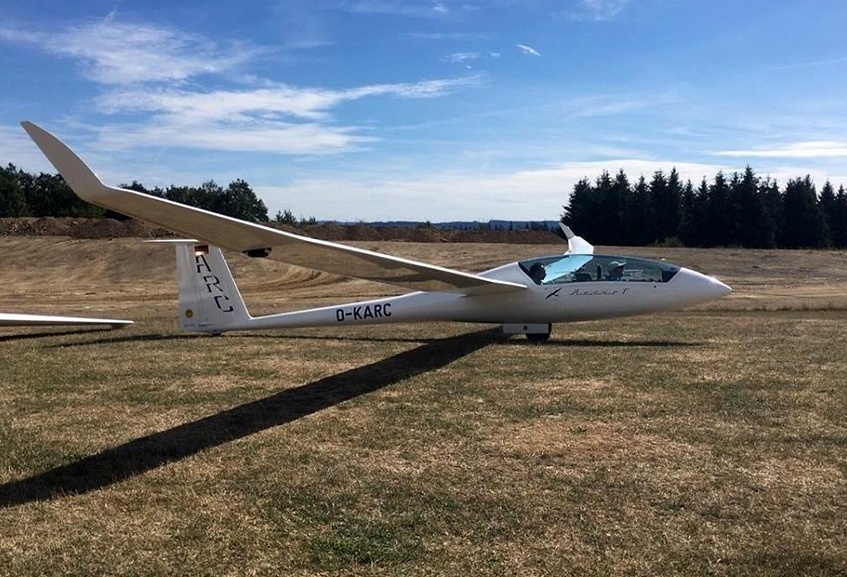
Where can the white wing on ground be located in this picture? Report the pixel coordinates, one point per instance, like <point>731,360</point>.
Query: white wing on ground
<point>25,320</point>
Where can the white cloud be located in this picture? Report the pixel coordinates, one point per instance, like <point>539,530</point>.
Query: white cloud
<point>614,104</point>
<point>462,57</point>
<point>122,53</point>
<point>304,103</point>
<point>467,58</point>
<point>137,61</point>
<point>809,149</point>
<point>281,120</point>
<point>16,146</point>
<point>447,36</point>
<point>602,9</point>
<point>528,50</point>
<point>406,8</point>
<point>259,136</point>
<point>521,195</point>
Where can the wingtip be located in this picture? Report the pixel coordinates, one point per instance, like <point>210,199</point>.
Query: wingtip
<point>31,127</point>
<point>84,182</point>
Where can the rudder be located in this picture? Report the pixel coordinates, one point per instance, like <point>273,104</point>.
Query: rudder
<point>209,300</point>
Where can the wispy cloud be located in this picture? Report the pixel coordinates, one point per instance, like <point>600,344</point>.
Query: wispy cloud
<point>243,135</point>
<point>598,9</point>
<point>466,58</point>
<point>110,52</point>
<point>614,104</point>
<point>809,149</point>
<point>461,57</point>
<point>290,101</point>
<point>282,120</point>
<point>407,8</point>
<point>528,50</point>
<point>149,73</point>
<point>447,36</point>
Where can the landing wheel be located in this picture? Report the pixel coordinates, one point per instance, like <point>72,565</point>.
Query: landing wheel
<point>535,332</point>
<point>538,338</point>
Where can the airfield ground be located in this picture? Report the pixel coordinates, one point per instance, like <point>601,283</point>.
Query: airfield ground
<point>710,441</point>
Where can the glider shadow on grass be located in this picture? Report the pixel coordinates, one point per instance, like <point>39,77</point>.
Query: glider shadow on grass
<point>152,451</point>
<point>43,335</point>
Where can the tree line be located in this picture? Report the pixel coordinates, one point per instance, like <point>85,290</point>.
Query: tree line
<point>741,210</point>
<point>24,194</point>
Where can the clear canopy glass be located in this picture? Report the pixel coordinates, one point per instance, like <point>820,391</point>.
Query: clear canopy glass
<point>591,268</point>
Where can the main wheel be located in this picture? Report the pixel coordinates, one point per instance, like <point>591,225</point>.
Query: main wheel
<point>538,338</point>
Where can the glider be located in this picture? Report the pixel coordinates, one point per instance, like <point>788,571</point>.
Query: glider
<point>526,297</point>
<point>25,320</point>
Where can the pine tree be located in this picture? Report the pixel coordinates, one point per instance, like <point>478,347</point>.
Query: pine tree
<point>838,230</point>
<point>580,212</point>
<point>717,224</point>
<point>750,225</point>
<point>617,203</point>
<point>666,199</point>
<point>689,230</point>
<point>641,222</point>
<point>804,224</point>
<point>827,205</point>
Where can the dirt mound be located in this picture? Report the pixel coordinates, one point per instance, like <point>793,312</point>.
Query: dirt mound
<point>103,228</point>
<point>94,228</point>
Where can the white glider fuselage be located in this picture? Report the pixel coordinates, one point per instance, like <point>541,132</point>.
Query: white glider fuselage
<point>537,304</point>
<point>210,301</point>
<point>525,296</point>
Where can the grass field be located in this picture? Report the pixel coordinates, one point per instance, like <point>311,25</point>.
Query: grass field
<point>710,441</point>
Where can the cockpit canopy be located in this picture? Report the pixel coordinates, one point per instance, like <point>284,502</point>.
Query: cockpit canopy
<point>570,268</point>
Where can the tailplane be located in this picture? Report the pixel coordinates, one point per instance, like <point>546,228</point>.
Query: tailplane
<point>209,300</point>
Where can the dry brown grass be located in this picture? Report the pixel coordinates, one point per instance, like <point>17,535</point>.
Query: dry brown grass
<point>709,441</point>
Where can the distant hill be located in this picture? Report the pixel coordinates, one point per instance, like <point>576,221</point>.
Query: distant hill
<point>494,231</point>
<point>470,225</point>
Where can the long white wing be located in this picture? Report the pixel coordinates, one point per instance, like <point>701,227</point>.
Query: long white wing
<point>25,320</point>
<point>235,234</point>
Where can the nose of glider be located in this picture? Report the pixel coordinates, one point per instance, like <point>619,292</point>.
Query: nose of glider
<point>698,287</point>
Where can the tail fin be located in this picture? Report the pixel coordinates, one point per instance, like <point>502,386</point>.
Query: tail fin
<point>209,300</point>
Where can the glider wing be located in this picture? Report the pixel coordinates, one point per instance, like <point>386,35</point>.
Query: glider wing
<point>25,320</point>
<point>255,239</point>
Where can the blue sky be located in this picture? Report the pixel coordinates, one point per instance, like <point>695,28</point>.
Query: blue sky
<point>427,109</point>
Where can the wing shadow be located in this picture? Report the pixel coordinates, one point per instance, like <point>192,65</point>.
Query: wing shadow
<point>152,451</point>
<point>613,343</point>
<point>149,337</point>
<point>40,335</point>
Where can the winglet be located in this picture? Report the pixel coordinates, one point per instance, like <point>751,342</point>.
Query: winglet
<point>73,169</point>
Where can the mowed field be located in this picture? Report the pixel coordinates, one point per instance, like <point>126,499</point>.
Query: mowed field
<point>711,441</point>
